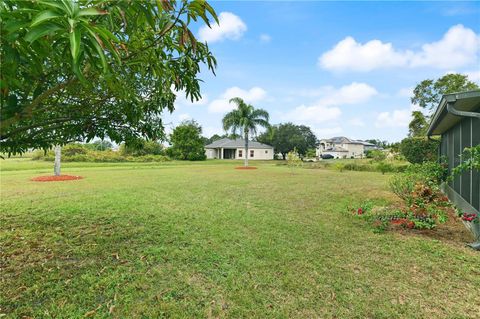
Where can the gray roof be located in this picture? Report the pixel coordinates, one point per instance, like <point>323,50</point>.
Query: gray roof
<point>342,140</point>
<point>237,143</point>
<point>443,120</point>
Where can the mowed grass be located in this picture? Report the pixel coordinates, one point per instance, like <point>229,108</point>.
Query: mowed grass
<point>206,240</point>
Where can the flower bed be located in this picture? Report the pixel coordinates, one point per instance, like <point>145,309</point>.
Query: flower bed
<point>53,178</point>
<point>246,167</point>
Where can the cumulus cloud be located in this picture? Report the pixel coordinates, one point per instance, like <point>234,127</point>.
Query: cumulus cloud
<point>458,47</point>
<point>313,114</point>
<point>222,104</point>
<point>182,99</point>
<point>356,122</point>
<point>353,93</point>
<point>327,132</point>
<point>395,118</point>
<point>473,75</point>
<point>329,98</point>
<point>184,117</point>
<point>229,27</point>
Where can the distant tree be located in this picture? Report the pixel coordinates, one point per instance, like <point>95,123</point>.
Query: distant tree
<point>217,137</point>
<point>428,93</point>
<point>379,143</point>
<point>244,120</point>
<point>141,147</point>
<point>102,145</point>
<point>418,126</point>
<point>287,137</point>
<point>187,142</point>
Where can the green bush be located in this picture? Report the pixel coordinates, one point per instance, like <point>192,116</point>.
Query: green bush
<point>140,147</point>
<point>74,149</point>
<point>385,167</point>
<point>376,155</point>
<point>418,150</point>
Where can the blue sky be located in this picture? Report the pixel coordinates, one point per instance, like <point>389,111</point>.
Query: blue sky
<point>342,68</point>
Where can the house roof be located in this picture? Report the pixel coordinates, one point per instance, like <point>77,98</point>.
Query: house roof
<point>342,140</point>
<point>237,143</point>
<point>443,120</point>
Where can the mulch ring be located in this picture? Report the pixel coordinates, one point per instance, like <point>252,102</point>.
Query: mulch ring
<point>53,178</point>
<point>247,167</point>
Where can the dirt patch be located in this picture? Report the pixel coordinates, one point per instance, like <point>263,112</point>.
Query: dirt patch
<point>52,178</point>
<point>452,231</point>
<point>243,167</point>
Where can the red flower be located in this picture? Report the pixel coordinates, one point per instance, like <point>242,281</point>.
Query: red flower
<point>469,217</point>
<point>411,225</point>
<point>360,211</point>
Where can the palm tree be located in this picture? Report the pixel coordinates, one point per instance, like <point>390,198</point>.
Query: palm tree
<point>245,119</point>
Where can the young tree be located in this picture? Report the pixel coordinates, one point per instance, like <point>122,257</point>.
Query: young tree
<point>187,142</point>
<point>76,70</point>
<point>244,120</point>
<point>428,93</point>
<point>418,126</point>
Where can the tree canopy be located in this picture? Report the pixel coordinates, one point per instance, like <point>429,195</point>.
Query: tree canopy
<point>75,70</point>
<point>287,136</point>
<point>428,93</point>
<point>187,142</point>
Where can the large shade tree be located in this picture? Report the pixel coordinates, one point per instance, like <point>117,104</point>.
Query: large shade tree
<point>245,120</point>
<point>428,93</point>
<point>286,137</point>
<point>80,69</point>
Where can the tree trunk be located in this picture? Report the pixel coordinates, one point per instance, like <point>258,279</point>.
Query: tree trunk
<point>246,149</point>
<point>284,156</point>
<point>58,156</point>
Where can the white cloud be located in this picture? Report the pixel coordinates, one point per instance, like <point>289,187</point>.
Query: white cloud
<point>229,27</point>
<point>353,93</point>
<point>458,47</point>
<point>395,118</point>
<point>184,117</point>
<point>265,38</point>
<point>222,105</point>
<point>473,75</point>
<point>405,92</point>
<point>356,122</point>
<point>327,132</point>
<point>182,99</point>
<point>313,114</point>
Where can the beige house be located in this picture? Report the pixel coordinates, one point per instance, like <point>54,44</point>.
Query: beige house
<point>226,148</point>
<point>342,147</point>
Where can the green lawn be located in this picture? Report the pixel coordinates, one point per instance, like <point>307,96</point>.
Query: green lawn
<point>205,240</point>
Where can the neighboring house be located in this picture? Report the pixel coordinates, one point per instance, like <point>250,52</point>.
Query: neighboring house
<point>341,147</point>
<point>226,148</point>
<point>457,121</point>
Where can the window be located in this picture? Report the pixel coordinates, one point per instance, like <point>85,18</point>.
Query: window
<point>240,153</point>
<point>266,151</point>
<point>251,153</point>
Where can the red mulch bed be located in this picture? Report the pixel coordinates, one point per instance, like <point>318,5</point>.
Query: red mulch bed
<point>52,178</point>
<point>243,167</point>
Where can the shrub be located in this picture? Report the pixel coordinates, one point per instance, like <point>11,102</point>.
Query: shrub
<point>419,149</point>
<point>141,147</point>
<point>74,149</point>
<point>377,155</point>
<point>385,167</point>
